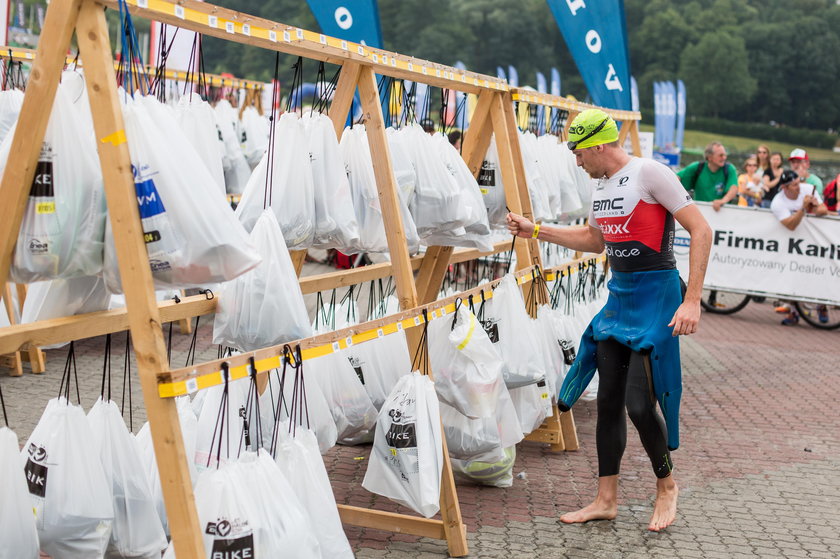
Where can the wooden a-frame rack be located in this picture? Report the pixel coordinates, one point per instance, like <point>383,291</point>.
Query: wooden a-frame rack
<point>144,315</point>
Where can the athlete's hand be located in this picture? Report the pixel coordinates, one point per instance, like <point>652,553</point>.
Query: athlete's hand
<point>686,319</point>
<point>519,226</point>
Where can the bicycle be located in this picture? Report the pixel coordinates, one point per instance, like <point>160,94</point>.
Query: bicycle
<point>726,302</point>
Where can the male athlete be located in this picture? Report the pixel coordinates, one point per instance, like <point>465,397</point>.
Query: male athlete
<point>632,342</point>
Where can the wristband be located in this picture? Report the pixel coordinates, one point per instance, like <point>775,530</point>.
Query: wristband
<point>536,231</point>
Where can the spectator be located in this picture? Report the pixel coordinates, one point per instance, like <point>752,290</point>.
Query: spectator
<point>762,154</point>
<point>749,187</point>
<point>713,180</point>
<point>455,138</point>
<point>771,179</point>
<point>428,125</point>
<point>800,163</point>
<point>789,207</point>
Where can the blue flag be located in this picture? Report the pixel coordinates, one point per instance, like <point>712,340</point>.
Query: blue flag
<point>555,82</point>
<point>680,114</point>
<point>513,76</point>
<point>671,114</point>
<point>460,103</point>
<point>634,94</point>
<point>352,20</point>
<point>596,35</point>
<point>658,109</point>
<point>500,73</point>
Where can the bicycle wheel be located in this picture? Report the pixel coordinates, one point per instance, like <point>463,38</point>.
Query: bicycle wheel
<point>810,313</point>
<point>722,302</point>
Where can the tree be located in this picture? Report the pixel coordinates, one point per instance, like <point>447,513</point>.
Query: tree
<point>716,74</point>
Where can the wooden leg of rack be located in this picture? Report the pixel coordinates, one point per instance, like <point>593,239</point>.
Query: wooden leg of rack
<point>567,424</point>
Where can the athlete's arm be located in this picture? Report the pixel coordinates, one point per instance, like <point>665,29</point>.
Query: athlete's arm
<point>581,239</point>
<point>688,314</point>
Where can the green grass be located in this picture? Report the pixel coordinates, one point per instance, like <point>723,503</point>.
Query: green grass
<point>695,141</point>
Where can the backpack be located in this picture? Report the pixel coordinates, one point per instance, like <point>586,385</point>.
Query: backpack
<point>699,170</point>
<point>830,195</point>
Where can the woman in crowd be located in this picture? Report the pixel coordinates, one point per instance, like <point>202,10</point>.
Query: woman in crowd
<point>749,186</point>
<point>762,154</point>
<point>771,179</point>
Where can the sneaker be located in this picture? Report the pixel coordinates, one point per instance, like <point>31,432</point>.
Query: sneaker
<point>791,320</point>
<point>822,313</point>
<point>781,309</point>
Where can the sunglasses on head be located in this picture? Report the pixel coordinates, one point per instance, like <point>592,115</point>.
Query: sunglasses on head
<point>574,143</point>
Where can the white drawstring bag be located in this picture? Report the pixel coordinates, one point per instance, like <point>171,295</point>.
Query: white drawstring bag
<point>192,236</point>
<point>11,100</point>
<point>335,218</point>
<point>352,410</point>
<point>219,435</point>
<point>537,188</point>
<point>492,188</point>
<point>570,197</point>
<point>198,121</point>
<point>63,227</point>
<point>407,456</point>
<point>550,167</point>
<point>359,165</point>
<point>303,467</point>
<point>72,501</point>
<point>263,307</point>
<point>235,165</point>
<point>189,427</point>
<point>516,341</point>
<point>137,530</point>
<point>466,364</point>
<point>254,130</point>
<point>533,405</point>
<point>276,404</point>
<point>17,519</point>
<point>379,364</point>
<point>290,191</point>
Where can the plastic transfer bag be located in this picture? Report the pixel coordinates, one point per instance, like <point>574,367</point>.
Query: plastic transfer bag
<point>304,469</point>
<point>335,218</point>
<point>352,410</point>
<point>515,340</point>
<point>63,227</point>
<point>407,456</point>
<point>359,165</point>
<point>466,364</point>
<point>198,121</point>
<point>235,165</point>
<point>11,100</point>
<point>17,520</point>
<point>247,509</point>
<point>492,188</point>
<point>264,306</point>
<point>254,130</point>
<point>72,502</point>
<point>289,192</point>
<point>137,530</point>
<point>192,236</point>
<point>379,364</point>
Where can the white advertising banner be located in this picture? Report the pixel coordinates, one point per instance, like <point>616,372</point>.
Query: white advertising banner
<point>753,253</point>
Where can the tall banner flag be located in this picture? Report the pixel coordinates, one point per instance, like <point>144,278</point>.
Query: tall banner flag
<point>500,73</point>
<point>634,94</point>
<point>352,20</point>
<point>657,115</point>
<point>555,82</point>
<point>513,77</point>
<point>670,115</point>
<point>461,103</point>
<point>595,33</point>
<point>680,114</point>
<point>4,21</point>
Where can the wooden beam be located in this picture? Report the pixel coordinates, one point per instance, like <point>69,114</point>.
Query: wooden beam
<point>634,139</point>
<point>622,134</point>
<point>32,123</point>
<point>392,522</point>
<point>567,425</point>
<point>387,187</point>
<point>432,271</point>
<point>298,259</point>
<point>82,326</point>
<point>477,137</point>
<point>144,319</point>
<point>342,101</point>
<point>35,356</point>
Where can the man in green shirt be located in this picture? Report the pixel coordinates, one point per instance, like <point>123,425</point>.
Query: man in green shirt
<point>713,180</point>
<point>800,163</point>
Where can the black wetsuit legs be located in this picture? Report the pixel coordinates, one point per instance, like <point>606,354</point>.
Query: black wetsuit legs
<point>624,381</point>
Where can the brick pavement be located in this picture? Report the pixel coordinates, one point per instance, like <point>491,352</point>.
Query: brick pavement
<point>759,465</point>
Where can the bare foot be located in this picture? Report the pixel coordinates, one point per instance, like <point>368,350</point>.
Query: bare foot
<point>598,510</point>
<point>665,508</point>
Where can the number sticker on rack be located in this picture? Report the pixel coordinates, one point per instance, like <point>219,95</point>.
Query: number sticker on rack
<point>272,36</point>
<point>246,29</point>
<point>287,37</point>
<point>299,33</point>
<point>336,346</point>
<point>229,27</point>
<point>379,332</point>
<point>192,385</point>
<point>349,341</point>
<point>213,21</point>
<point>179,11</point>
<point>142,3</point>
<point>343,45</point>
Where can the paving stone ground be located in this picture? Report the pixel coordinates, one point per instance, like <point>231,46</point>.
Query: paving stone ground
<point>758,467</point>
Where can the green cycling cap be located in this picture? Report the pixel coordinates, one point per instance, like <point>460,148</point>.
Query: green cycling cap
<point>592,127</point>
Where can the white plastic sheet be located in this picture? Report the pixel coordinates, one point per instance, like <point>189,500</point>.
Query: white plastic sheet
<point>264,306</point>
<point>192,236</point>
<point>136,530</point>
<point>63,227</point>
<point>407,458</point>
<point>73,504</point>
<point>17,520</point>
